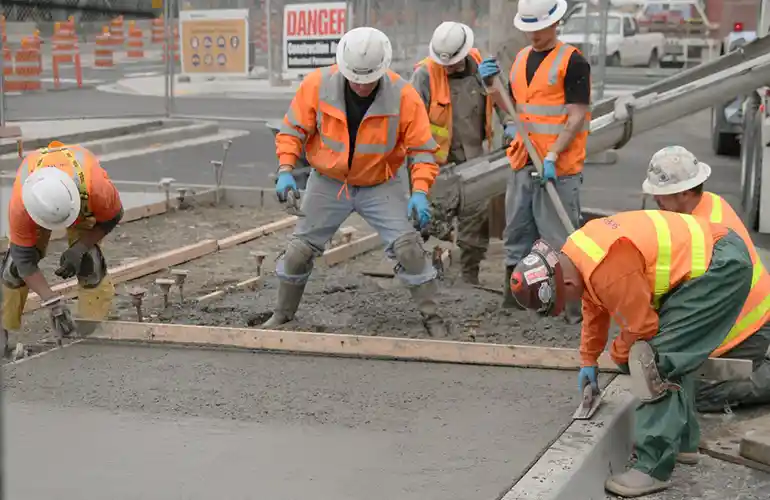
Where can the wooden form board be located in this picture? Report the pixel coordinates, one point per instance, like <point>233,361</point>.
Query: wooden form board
<point>347,251</point>
<point>158,262</point>
<point>378,347</point>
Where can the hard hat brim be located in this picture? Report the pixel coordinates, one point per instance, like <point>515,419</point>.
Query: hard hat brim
<point>704,172</point>
<point>466,48</point>
<point>555,17</point>
<point>71,217</point>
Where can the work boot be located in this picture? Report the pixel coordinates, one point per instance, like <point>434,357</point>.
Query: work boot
<point>424,296</point>
<point>471,275</point>
<point>634,483</point>
<point>688,458</point>
<point>289,297</point>
<point>5,351</point>
<point>508,301</point>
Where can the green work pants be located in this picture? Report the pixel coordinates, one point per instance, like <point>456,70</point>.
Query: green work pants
<point>694,320</point>
<point>715,396</point>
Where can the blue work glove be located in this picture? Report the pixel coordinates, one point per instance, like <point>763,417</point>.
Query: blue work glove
<point>589,374</point>
<point>549,169</point>
<point>285,184</point>
<point>489,68</point>
<point>419,203</point>
<point>510,132</point>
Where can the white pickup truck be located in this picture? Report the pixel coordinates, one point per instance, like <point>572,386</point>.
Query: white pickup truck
<point>626,46</point>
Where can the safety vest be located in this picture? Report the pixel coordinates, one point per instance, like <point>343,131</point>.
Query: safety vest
<point>394,129</point>
<point>543,112</point>
<point>756,310</point>
<point>440,107</point>
<point>676,247</point>
<point>77,166</point>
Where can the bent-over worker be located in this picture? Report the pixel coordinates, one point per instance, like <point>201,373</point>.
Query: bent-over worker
<point>59,187</point>
<point>550,83</point>
<point>675,284</point>
<point>460,113</point>
<point>359,122</point>
<point>675,179</point>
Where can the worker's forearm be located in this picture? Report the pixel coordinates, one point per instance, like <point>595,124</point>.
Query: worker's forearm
<point>38,284</point>
<point>575,123</point>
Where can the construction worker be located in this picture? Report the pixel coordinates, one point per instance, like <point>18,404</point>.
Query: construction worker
<point>460,113</point>
<point>675,179</point>
<point>550,83</point>
<point>675,284</point>
<point>59,187</point>
<point>358,122</point>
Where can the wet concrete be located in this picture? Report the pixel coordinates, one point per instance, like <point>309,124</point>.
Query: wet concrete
<point>97,421</point>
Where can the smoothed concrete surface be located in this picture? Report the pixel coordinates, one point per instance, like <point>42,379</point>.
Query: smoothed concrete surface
<point>129,422</point>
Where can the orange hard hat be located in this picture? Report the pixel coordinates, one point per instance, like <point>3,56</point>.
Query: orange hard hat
<point>537,281</point>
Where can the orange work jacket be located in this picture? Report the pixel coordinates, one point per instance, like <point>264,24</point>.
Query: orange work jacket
<point>395,129</point>
<point>75,160</point>
<point>756,310</point>
<point>676,247</point>
<point>440,106</point>
<point>543,112</point>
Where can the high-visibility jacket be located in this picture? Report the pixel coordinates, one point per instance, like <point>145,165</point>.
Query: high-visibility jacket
<point>396,128</point>
<point>440,107</point>
<point>542,110</point>
<point>75,160</point>
<point>756,310</point>
<point>676,247</point>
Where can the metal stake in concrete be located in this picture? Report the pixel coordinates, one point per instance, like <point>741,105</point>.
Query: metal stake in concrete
<point>165,285</point>
<point>165,184</point>
<point>218,167</point>
<point>137,294</point>
<point>260,258</point>
<point>180,194</point>
<point>180,275</point>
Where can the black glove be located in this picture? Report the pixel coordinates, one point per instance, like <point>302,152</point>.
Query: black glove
<point>71,261</point>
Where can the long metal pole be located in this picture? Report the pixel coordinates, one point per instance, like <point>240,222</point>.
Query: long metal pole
<point>168,53</point>
<point>174,21</point>
<point>2,85</point>
<point>587,49</point>
<point>269,27</point>
<point>601,72</point>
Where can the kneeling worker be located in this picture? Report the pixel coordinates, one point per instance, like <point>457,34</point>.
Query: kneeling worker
<point>59,187</point>
<point>675,284</point>
<point>675,179</point>
<point>358,122</point>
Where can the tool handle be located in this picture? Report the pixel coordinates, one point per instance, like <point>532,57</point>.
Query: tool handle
<point>499,88</point>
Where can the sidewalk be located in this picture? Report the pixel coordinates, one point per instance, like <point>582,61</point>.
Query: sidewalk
<point>245,88</point>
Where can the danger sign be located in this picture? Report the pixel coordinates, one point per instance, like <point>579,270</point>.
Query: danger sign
<point>311,32</point>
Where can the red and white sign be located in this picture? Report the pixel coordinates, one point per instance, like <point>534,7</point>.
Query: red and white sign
<point>311,32</point>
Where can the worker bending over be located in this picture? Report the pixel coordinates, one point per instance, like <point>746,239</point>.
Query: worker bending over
<point>675,284</point>
<point>550,83</point>
<point>675,178</point>
<point>460,113</point>
<point>59,187</point>
<point>358,122</point>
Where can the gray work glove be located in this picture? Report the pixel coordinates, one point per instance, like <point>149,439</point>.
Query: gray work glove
<point>71,261</point>
<point>61,318</point>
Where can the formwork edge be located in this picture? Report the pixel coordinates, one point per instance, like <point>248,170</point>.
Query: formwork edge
<point>585,454</point>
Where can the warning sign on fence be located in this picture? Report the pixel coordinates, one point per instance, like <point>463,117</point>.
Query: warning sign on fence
<point>311,33</point>
<point>214,42</point>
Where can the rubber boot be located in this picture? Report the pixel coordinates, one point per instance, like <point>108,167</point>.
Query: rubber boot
<point>634,483</point>
<point>289,297</point>
<point>5,351</point>
<point>424,296</point>
<point>471,274</point>
<point>508,301</point>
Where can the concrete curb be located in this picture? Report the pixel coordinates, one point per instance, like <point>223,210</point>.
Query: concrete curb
<point>589,451</point>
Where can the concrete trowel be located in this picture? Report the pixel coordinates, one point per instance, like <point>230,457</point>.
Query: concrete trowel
<point>589,404</point>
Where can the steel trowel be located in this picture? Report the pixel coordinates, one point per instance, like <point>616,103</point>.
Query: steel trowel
<point>589,404</point>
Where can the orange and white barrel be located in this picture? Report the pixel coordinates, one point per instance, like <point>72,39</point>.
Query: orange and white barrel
<point>135,42</point>
<point>104,53</point>
<point>11,82</point>
<point>157,31</point>
<point>26,65</point>
<point>116,32</point>
<point>65,53</point>
<point>174,46</point>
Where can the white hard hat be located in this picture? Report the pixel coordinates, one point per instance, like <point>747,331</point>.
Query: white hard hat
<point>535,15</point>
<point>364,55</point>
<point>451,42</point>
<point>674,170</point>
<point>51,198</point>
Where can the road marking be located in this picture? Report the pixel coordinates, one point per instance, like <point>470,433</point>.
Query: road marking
<point>246,165</point>
<point>72,80</point>
<point>146,73</point>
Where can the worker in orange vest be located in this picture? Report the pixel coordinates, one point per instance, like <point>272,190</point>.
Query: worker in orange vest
<point>358,122</point>
<point>674,284</point>
<point>461,114</point>
<point>675,179</point>
<point>550,83</point>
<point>59,187</point>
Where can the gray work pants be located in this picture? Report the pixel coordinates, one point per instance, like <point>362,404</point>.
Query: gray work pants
<point>530,215</point>
<point>716,396</point>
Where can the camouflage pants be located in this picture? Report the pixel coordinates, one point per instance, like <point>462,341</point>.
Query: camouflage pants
<point>472,234</point>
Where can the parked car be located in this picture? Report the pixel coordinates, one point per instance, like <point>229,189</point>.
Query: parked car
<point>626,46</point>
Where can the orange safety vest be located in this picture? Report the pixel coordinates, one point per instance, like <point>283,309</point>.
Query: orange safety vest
<point>75,161</point>
<point>756,310</point>
<point>543,112</point>
<point>676,247</point>
<point>440,107</point>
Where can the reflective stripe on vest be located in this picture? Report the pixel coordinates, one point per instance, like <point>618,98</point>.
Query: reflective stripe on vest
<point>662,280</point>
<point>78,175</point>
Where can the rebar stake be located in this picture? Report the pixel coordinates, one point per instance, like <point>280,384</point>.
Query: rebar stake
<point>137,294</point>
<point>165,285</point>
<point>165,184</point>
<point>260,258</point>
<point>218,166</point>
<point>180,275</point>
<point>180,194</point>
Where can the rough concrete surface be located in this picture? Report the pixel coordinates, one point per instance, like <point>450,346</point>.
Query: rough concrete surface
<point>127,422</point>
